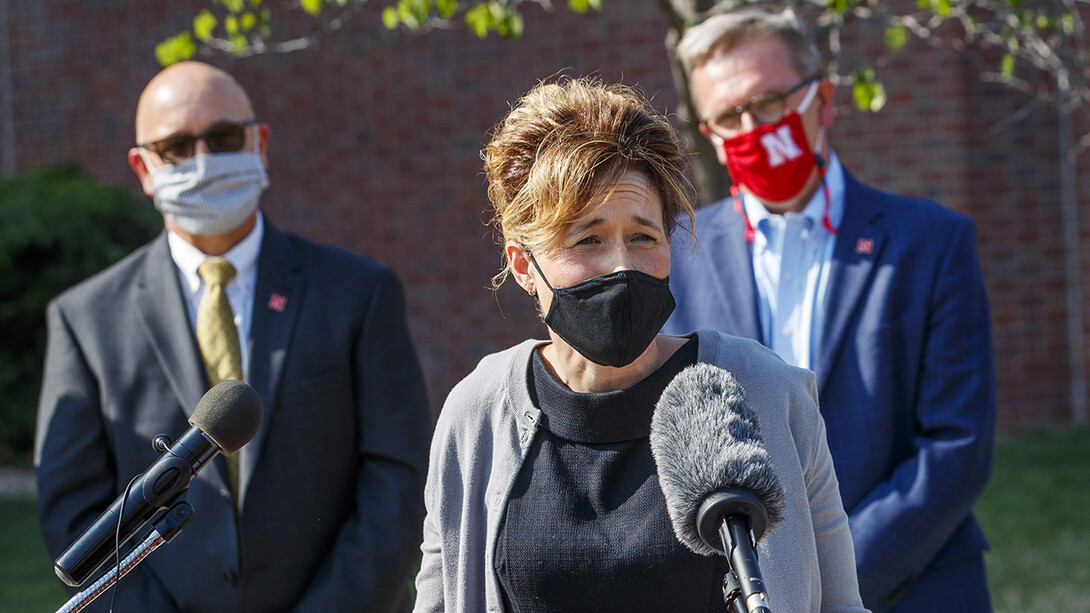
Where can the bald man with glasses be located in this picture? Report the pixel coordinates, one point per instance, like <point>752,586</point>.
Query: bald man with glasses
<point>879,294</point>
<point>322,510</point>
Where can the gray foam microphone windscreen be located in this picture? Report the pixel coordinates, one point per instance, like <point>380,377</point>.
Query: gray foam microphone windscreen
<point>229,413</point>
<point>705,438</point>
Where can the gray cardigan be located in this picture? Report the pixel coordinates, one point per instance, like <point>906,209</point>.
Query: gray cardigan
<point>488,423</point>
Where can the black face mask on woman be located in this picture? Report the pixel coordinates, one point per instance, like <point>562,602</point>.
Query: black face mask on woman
<point>612,318</point>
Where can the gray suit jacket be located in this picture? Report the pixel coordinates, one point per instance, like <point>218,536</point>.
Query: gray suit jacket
<point>332,483</point>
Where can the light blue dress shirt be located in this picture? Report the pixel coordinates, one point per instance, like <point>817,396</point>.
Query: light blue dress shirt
<point>791,255</point>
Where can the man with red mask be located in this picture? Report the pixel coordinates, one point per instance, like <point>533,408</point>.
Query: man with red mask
<point>881,295</point>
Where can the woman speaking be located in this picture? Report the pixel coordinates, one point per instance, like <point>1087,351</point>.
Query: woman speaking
<point>542,492</point>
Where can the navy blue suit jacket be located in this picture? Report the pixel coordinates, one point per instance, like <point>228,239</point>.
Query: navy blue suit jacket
<point>332,503</point>
<point>905,371</point>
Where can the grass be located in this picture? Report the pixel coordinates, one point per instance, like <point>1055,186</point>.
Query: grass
<point>1036,513</point>
<point>27,582</point>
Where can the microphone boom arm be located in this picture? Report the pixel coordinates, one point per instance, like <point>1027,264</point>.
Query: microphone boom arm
<point>165,529</point>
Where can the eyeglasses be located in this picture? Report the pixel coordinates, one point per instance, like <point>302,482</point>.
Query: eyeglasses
<point>221,137</point>
<point>764,108</point>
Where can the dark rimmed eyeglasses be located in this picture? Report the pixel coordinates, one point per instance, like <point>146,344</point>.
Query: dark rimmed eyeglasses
<point>221,137</point>
<point>764,108</point>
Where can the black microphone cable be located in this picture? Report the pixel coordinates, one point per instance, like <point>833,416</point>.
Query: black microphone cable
<point>162,444</point>
<point>117,542</point>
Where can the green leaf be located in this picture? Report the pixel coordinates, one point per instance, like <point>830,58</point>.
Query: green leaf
<point>264,17</point>
<point>939,7</point>
<point>582,6</point>
<point>869,93</point>
<point>862,76</point>
<point>896,37</point>
<point>233,6</point>
<point>1006,65</point>
<point>203,24</point>
<point>1067,24</point>
<point>408,12</point>
<point>389,18</point>
<point>870,97</point>
<point>230,25</point>
<point>255,3</point>
<point>175,49</point>
<point>878,99</point>
<point>312,7</point>
<point>512,26</point>
<point>247,21</point>
<point>479,19</point>
<point>422,9</point>
<point>238,43</point>
<point>446,8</point>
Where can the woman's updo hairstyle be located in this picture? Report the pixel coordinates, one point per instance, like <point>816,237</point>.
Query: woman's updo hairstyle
<point>564,145</point>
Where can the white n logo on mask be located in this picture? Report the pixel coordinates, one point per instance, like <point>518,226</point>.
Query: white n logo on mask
<point>780,146</point>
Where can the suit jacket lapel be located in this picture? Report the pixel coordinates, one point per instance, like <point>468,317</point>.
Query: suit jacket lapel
<point>163,317</point>
<point>737,285</point>
<point>278,297</point>
<point>859,244</point>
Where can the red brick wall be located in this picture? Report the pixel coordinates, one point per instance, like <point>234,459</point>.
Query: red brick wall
<point>376,135</point>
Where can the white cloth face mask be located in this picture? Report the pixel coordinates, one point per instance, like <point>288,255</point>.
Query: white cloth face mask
<point>210,194</point>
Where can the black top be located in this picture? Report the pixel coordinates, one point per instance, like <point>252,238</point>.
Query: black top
<point>586,526</point>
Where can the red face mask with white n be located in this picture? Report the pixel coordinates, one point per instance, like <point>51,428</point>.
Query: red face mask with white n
<point>772,161</point>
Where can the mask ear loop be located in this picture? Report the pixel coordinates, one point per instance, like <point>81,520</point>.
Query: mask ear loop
<point>736,194</point>
<point>257,138</point>
<point>810,93</point>
<point>826,219</point>
<point>144,155</point>
<point>530,256</point>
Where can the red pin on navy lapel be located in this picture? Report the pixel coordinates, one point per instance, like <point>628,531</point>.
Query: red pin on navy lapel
<point>278,302</point>
<point>864,246</point>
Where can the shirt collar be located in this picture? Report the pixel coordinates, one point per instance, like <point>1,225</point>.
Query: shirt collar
<point>815,208</point>
<point>242,256</point>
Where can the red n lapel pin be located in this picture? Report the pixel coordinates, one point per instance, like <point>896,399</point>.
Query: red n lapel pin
<point>864,246</point>
<point>278,302</point>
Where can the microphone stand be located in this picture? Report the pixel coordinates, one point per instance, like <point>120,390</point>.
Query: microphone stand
<point>163,531</point>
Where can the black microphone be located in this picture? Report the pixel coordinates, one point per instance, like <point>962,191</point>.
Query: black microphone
<point>225,419</point>
<point>716,475</point>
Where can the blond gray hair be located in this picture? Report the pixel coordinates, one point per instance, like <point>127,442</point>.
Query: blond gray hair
<point>725,31</point>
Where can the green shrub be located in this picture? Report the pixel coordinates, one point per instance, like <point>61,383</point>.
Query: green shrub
<point>58,226</point>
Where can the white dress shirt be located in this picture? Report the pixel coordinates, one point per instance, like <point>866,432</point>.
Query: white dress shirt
<point>240,289</point>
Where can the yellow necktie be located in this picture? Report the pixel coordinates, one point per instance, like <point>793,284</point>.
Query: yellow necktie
<point>216,332</point>
<point>217,337</point>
